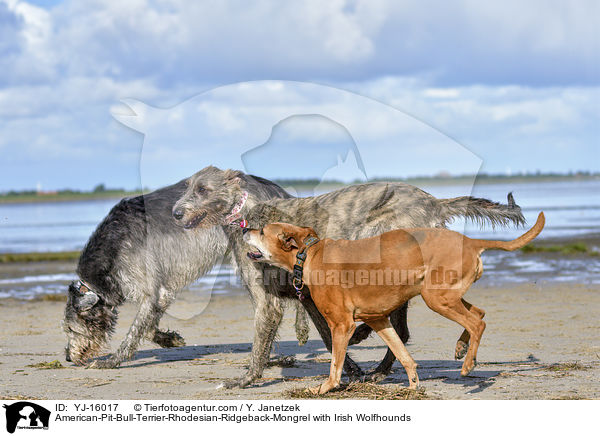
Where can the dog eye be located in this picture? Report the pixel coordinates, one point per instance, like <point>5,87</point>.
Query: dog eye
<point>200,189</point>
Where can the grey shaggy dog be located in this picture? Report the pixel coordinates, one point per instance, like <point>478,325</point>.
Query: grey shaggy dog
<point>353,212</point>
<point>137,253</point>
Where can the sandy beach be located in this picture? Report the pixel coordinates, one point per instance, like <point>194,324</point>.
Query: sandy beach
<point>541,342</point>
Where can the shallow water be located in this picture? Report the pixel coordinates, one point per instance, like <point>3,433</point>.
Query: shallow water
<point>53,226</point>
<point>572,210</point>
<point>24,281</point>
<point>500,269</point>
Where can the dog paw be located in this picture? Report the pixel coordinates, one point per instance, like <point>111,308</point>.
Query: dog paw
<point>414,383</point>
<point>461,350</point>
<point>356,377</point>
<point>241,382</point>
<point>282,361</point>
<point>168,339</point>
<point>314,390</point>
<point>109,363</point>
<point>466,369</point>
<point>302,337</point>
<point>375,377</point>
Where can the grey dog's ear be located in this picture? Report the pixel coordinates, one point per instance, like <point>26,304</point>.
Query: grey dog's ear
<point>86,301</point>
<point>233,177</point>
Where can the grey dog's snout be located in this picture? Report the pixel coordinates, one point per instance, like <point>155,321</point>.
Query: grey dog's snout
<point>178,214</point>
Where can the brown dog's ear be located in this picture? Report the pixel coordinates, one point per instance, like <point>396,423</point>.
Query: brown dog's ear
<point>288,241</point>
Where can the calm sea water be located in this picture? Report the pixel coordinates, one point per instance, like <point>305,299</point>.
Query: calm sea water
<point>60,226</point>
<point>572,210</point>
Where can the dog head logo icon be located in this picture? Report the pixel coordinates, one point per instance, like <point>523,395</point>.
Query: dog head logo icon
<point>26,415</point>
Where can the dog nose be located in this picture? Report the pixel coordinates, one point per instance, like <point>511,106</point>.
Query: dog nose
<point>244,230</point>
<point>177,214</point>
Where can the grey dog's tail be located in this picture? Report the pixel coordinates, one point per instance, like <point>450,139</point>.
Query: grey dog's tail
<point>483,211</point>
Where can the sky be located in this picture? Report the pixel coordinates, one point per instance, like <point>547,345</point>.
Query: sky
<point>144,93</point>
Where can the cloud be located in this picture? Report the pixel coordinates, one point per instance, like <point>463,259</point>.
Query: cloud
<point>10,29</point>
<point>219,126</point>
<point>507,79</point>
<point>551,128</point>
<point>529,43</point>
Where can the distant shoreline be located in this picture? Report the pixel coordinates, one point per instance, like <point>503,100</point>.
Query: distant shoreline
<point>42,256</point>
<point>60,197</point>
<point>116,194</point>
<point>480,179</point>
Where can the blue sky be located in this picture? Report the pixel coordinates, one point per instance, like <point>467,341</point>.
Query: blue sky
<point>515,84</point>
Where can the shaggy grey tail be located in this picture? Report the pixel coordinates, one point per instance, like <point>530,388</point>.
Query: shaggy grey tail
<point>483,211</point>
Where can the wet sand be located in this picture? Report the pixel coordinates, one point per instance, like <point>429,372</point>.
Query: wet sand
<point>541,342</point>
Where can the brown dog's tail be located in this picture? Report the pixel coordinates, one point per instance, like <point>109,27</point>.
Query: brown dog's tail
<point>521,241</point>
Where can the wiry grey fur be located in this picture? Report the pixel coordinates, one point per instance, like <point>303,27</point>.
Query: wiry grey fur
<point>136,254</point>
<point>351,213</point>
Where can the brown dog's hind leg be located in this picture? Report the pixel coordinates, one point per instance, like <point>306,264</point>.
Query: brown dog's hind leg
<point>341,333</point>
<point>385,330</point>
<point>463,342</point>
<point>447,302</point>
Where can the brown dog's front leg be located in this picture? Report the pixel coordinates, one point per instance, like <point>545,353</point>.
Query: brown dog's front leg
<point>350,367</point>
<point>341,334</point>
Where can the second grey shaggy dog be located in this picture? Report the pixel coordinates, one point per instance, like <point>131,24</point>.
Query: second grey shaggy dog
<point>137,253</point>
<point>353,212</point>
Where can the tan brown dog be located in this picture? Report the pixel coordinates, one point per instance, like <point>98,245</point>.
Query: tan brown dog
<point>365,280</point>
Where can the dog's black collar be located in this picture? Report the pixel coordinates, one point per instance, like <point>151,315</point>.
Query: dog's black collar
<point>309,241</point>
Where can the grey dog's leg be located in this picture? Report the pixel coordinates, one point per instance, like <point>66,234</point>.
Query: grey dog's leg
<point>143,321</point>
<point>268,313</point>
<point>398,320</point>
<point>301,325</point>
<point>164,338</point>
<point>267,317</point>
<point>362,332</point>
